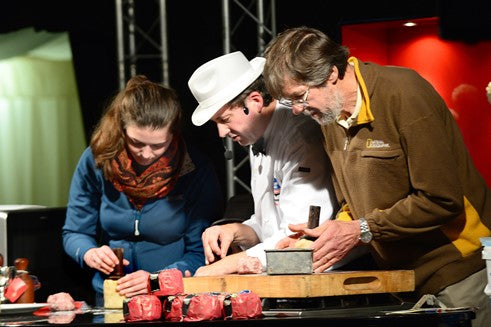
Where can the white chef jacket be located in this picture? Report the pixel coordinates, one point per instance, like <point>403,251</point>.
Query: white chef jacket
<point>296,168</point>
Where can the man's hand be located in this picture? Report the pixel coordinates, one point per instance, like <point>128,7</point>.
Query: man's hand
<point>334,239</point>
<point>216,241</point>
<point>133,284</point>
<point>288,242</point>
<point>225,266</point>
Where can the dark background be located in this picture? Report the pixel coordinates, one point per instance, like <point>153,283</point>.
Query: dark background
<point>195,36</point>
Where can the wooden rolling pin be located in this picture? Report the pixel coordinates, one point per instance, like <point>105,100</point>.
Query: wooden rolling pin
<point>313,222</point>
<point>118,271</point>
<point>305,241</point>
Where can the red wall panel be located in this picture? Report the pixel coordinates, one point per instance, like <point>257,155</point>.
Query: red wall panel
<point>459,71</point>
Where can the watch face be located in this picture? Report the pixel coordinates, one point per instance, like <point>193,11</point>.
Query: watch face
<point>366,237</point>
<point>365,234</point>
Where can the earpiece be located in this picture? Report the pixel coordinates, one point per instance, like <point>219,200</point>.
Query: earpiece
<point>246,110</point>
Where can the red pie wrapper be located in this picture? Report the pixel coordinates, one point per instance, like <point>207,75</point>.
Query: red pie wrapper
<point>142,308</point>
<point>169,283</point>
<point>242,305</point>
<point>193,307</point>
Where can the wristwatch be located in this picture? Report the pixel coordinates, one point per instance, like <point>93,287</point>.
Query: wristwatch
<point>365,234</point>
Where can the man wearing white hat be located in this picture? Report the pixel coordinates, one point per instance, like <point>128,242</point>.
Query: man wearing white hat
<point>289,172</point>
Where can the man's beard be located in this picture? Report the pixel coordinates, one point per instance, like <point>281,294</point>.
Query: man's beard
<point>327,118</point>
<point>331,114</point>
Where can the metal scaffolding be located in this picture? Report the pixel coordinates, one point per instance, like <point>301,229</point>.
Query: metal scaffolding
<point>143,42</point>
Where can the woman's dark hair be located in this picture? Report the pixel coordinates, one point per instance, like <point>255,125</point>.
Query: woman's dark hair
<point>142,103</point>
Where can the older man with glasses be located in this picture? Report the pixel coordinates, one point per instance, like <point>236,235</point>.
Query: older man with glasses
<point>402,170</point>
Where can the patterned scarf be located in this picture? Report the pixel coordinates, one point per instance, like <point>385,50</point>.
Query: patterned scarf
<point>156,181</point>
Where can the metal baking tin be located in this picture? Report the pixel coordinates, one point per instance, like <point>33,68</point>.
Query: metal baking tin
<point>289,261</point>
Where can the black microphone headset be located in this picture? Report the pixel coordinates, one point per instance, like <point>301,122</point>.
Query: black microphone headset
<point>228,153</point>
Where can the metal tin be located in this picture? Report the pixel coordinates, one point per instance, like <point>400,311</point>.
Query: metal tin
<point>289,261</point>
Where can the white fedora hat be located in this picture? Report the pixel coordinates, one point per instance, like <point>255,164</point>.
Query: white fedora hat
<point>220,80</point>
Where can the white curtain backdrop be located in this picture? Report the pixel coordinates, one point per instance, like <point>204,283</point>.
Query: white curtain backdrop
<point>41,131</point>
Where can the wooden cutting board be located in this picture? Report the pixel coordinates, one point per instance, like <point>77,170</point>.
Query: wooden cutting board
<point>313,285</point>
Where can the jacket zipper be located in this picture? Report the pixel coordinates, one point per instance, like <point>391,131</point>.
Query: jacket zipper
<point>347,139</point>
<point>137,221</point>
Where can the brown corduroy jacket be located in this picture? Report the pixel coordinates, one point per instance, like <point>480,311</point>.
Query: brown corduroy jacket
<point>405,168</point>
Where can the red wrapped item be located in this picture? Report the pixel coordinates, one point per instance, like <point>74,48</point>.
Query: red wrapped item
<point>193,307</point>
<point>242,305</point>
<point>15,289</point>
<point>142,308</point>
<point>166,282</point>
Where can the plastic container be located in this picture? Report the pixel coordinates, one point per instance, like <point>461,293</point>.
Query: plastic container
<point>486,255</point>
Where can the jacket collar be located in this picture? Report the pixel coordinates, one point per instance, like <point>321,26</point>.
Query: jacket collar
<point>365,115</point>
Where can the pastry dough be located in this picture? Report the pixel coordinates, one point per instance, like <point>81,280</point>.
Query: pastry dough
<point>303,244</point>
<point>112,299</point>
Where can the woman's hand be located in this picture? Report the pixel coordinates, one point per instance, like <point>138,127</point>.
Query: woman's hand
<point>102,259</point>
<point>133,284</point>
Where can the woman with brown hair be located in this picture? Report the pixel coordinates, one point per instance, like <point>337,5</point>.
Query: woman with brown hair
<point>140,187</point>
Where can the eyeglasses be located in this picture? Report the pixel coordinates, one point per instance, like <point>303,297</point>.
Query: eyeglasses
<point>297,102</point>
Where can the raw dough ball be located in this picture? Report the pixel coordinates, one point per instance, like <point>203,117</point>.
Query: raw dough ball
<point>61,302</point>
<point>249,265</point>
<point>303,244</point>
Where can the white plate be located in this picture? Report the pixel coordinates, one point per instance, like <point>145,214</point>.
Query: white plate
<point>20,307</point>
